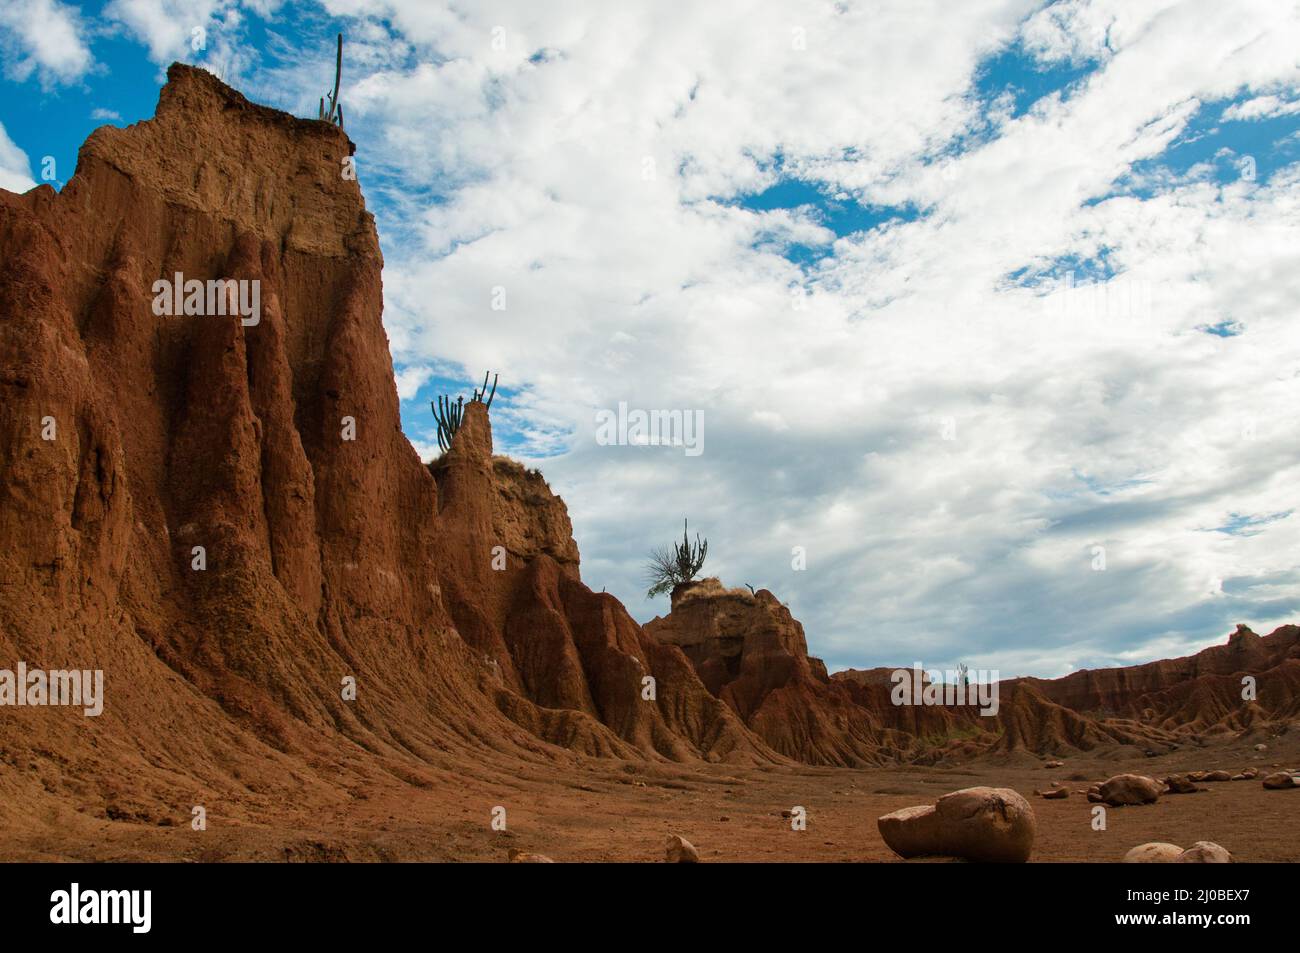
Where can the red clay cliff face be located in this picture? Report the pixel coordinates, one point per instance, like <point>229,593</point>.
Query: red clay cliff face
<point>331,551</point>
<point>136,447</point>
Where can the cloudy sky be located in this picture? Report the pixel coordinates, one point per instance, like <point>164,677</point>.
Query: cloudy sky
<point>989,308</point>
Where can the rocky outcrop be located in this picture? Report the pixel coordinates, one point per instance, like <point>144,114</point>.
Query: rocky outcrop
<point>751,653</point>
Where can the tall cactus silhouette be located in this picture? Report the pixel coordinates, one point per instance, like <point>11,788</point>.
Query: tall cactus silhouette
<point>335,112</point>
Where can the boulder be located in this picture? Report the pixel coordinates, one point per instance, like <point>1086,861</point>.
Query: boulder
<point>1278,780</point>
<point>1204,852</point>
<point>681,851</point>
<point>1130,789</point>
<point>992,825</point>
<point>1155,852</point>
<point>1217,776</point>
<point>1179,784</point>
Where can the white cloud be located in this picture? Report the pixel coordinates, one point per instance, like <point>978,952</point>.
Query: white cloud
<point>208,33</point>
<point>44,37</point>
<point>105,114</point>
<point>1261,107</point>
<point>1080,417</point>
<point>15,170</point>
<point>410,379</point>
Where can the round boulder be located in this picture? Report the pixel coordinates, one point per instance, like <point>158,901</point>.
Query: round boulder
<point>992,825</point>
<point>1204,852</point>
<point>1155,852</point>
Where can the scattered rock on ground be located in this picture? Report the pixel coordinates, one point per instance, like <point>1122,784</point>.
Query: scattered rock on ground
<point>1204,852</point>
<point>1130,789</point>
<point>681,851</point>
<point>518,856</point>
<point>1155,852</point>
<point>1278,780</point>
<point>981,824</point>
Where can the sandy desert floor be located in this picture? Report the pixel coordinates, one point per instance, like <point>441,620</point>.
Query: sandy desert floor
<point>619,811</point>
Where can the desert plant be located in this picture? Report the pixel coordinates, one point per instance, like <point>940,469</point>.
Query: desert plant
<point>335,112</point>
<point>450,413</point>
<point>478,394</point>
<point>669,568</point>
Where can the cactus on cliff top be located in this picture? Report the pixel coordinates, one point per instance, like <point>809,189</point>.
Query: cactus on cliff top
<point>449,414</point>
<point>335,113</point>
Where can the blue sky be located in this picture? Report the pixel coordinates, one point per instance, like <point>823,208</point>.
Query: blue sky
<point>958,306</point>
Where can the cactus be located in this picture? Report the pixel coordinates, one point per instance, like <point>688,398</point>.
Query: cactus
<point>449,413</point>
<point>335,113</point>
<point>668,569</point>
<point>478,394</point>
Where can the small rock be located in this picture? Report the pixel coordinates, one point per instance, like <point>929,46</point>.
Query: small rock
<point>1156,852</point>
<point>1178,784</point>
<point>518,856</point>
<point>1054,764</point>
<point>1217,776</point>
<point>1204,852</point>
<point>681,851</point>
<point>1055,794</point>
<point>1238,777</point>
<point>1261,747</point>
<point>1278,780</point>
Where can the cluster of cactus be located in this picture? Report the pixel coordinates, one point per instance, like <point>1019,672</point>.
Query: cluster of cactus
<point>335,112</point>
<point>668,569</point>
<point>449,413</point>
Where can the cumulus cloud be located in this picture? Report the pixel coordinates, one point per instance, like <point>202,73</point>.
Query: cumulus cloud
<point>1261,107</point>
<point>46,38</point>
<point>15,170</point>
<point>208,33</point>
<point>993,425</point>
